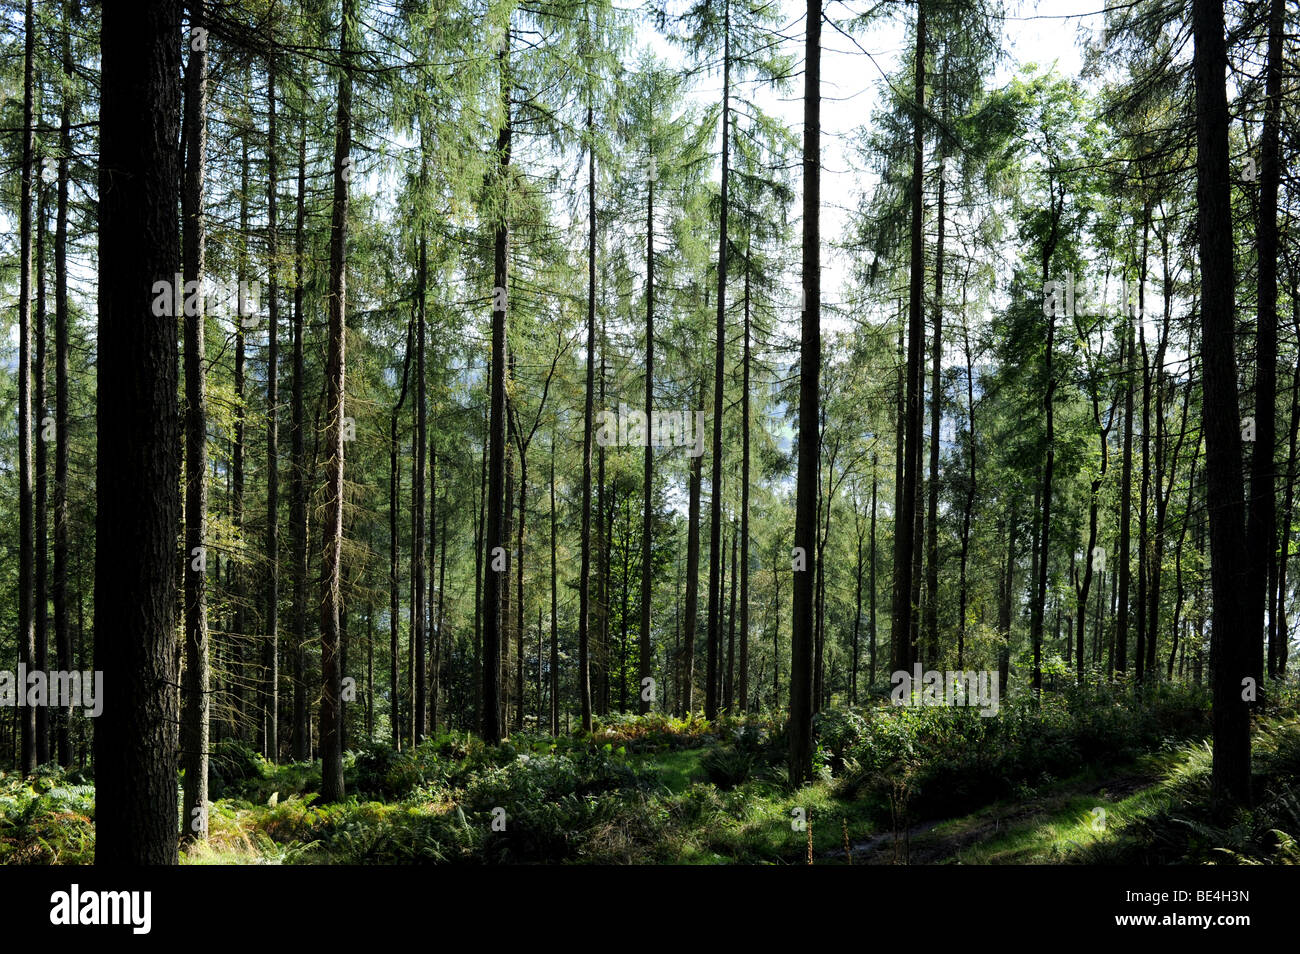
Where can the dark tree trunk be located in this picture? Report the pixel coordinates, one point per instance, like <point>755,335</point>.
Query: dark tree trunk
<point>135,599</point>
<point>647,477</point>
<point>301,741</point>
<point>555,623</point>
<point>716,556</point>
<point>1261,526</point>
<point>331,710</point>
<point>801,647</point>
<point>26,606</point>
<point>584,582</point>
<point>62,636</point>
<point>394,545</point>
<point>692,609</point>
<point>744,503</point>
<point>1120,656</point>
<point>194,724</point>
<point>41,596</point>
<point>417,495</point>
<point>904,608</point>
<point>271,647</point>
<point>1231,636</point>
<point>496,541</point>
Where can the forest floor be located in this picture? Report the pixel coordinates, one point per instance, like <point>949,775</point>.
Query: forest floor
<point>1073,781</point>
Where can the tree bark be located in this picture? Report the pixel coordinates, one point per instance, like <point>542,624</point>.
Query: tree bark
<point>135,597</point>
<point>801,649</point>
<point>331,710</point>
<point>194,725</point>
<point>1231,635</point>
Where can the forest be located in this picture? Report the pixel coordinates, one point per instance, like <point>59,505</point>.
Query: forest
<point>670,432</point>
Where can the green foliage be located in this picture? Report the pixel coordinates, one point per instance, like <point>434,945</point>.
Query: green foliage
<point>47,818</point>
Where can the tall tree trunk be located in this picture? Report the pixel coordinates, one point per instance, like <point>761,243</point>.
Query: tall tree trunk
<point>41,595</point>
<point>1231,636</point>
<point>904,609</point>
<point>194,724</point>
<point>62,635</point>
<point>871,673</point>
<point>692,609</point>
<point>1120,656</point>
<point>417,489</point>
<point>1049,402</point>
<point>1278,652</point>
<point>647,477</point>
<point>730,695</point>
<point>555,623</point>
<point>584,583</point>
<point>1261,526</point>
<point>26,606</point>
<point>936,413</point>
<point>496,541</point>
<point>135,599</point>
<point>1139,661</point>
<point>716,556</point>
<point>331,710</point>
<point>394,541</point>
<point>519,609</point>
<point>239,619</point>
<point>301,741</point>
<point>1004,603</point>
<point>744,501</point>
<point>969,507</point>
<point>801,644</point>
<point>271,647</point>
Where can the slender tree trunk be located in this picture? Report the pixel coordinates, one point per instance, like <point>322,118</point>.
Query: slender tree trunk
<point>744,501</point>
<point>271,648</point>
<point>26,606</point>
<point>936,412</point>
<point>1261,526</point>
<point>647,478</point>
<point>799,730</point>
<point>417,491</point>
<point>41,596</point>
<point>555,624</point>
<point>519,635</point>
<point>730,694</point>
<point>1049,402</point>
<point>496,541</point>
<point>62,636</point>
<point>584,583</point>
<point>239,619</point>
<point>394,494</point>
<point>331,710</point>
<point>301,741</point>
<point>871,674</point>
<point>904,609</point>
<point>692,579</point>
<point>969,508</point>
<point>716,555</point>
<point>194,725</point>
<point>1120,656</point>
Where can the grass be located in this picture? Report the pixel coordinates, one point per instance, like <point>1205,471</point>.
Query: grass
<point>659,790</point>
